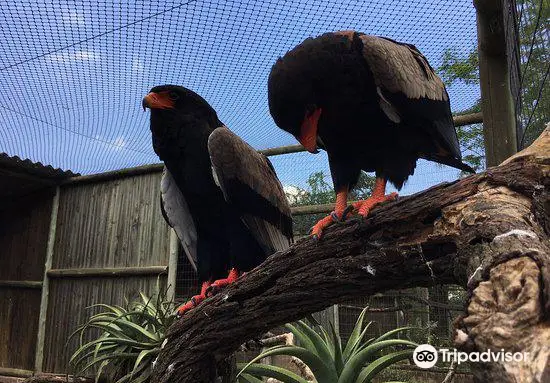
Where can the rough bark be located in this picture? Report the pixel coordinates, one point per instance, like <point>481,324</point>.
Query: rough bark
<point>488,232</point>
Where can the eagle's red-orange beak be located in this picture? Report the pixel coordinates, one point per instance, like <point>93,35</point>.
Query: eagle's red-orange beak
<point>308,131</point>
<point>159,100</point>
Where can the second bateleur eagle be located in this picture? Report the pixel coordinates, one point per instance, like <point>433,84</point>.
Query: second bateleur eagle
<point>222,198</point>
<point>372,103</point>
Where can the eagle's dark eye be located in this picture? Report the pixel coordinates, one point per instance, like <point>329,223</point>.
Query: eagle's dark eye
<point>173,96</point>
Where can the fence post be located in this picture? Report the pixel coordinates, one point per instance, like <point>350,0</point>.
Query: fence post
<point>40,339</point>
<point>497,104</point>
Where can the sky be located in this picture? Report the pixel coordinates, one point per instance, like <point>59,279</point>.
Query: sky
<point>73,73</point>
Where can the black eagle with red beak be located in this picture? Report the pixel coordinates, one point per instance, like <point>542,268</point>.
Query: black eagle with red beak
<point>372,103</point>
<point>222,198</point>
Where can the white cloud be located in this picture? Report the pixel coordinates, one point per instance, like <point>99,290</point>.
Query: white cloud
<point>115,144</point>
<point>138,65</point>
<point>119,142</point>
<point>292,190</point>
<point>293,194</point>
<point>73,16</point>
<point>66,57</point>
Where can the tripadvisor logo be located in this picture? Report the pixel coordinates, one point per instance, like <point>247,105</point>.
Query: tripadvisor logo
<point>426,356</point>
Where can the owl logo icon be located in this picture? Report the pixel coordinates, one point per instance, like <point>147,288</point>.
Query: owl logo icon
<point>425,356</point>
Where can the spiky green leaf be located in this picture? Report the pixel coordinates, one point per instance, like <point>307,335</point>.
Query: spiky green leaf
<point>355,364</point>
<point>321,347</point>
<point>301,337</point>
<point>146,354</point>
<point>275,372</point>
<point>379,364</point>
<point>247,378</point>
<point>322,372</point>
<point>391,333</point>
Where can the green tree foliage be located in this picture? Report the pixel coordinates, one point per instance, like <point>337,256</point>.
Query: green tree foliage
<point>455,67</point>
<point>534,51</point>
<point>534,57</point>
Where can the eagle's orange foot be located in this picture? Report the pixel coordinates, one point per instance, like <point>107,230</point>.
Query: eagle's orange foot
<point>363,207</point>
<point>216,286</point>
<point>335,216</point>
<point>195,300</point>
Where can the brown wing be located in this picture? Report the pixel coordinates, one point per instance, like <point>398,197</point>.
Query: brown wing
<point>410,91</point>
<point>399,67</point>
<point>249,183</point>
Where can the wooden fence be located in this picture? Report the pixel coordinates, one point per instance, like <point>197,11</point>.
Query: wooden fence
<point>110,242</point>
<point>99,240</point>
<point>24,228</point>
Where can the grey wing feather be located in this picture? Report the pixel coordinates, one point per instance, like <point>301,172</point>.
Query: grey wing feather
<point>176,213</point>
<point>248,182</point>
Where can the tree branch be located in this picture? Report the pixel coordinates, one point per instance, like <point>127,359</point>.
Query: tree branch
<point>468,232</point>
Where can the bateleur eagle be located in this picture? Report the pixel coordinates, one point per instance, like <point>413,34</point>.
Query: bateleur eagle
<point>222,198</point>
<point>372,103</point>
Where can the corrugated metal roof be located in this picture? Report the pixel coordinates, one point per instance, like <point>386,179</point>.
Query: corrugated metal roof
<point>36,169</point>
<point>20,178</point>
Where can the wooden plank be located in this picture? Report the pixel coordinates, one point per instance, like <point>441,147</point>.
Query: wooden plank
<point>460,120</point>
<point>112,224</point>
<point>18,326</point>
<point>468,119</point>
<point>24,237</point>
<point>16,372</point>
<point>22,284</point>
<point>24,233</point>
<point>108,272</point>
<point>336,312</point>
<point>73,296</point>
<point>282,150</point>
<point>39,357</point>
<point>115,174</point>
<point>499,122</point>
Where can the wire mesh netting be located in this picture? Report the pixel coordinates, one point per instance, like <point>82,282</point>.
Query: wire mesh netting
<point>74,72</point>
<point>531,56</point>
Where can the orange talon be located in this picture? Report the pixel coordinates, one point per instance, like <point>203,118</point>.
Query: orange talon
<point>220,283</point>
<point>195,300</point>
<point>335,216</point>
<point>319,226</point>
<point>378,196</point>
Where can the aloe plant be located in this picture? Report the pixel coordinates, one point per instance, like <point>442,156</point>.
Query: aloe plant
<point>130,340</point>
<point>330,361</point>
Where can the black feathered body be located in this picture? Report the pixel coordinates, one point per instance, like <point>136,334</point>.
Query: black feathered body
<point>358,131</point>
<point>223,241</point>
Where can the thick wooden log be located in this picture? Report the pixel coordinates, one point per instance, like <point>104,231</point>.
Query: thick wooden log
<point>57,378</point>
<point>107,272</point>
<point>15,372</point>
<point>488,232</point>
<point>460,120</point>
<point>22,284</point>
